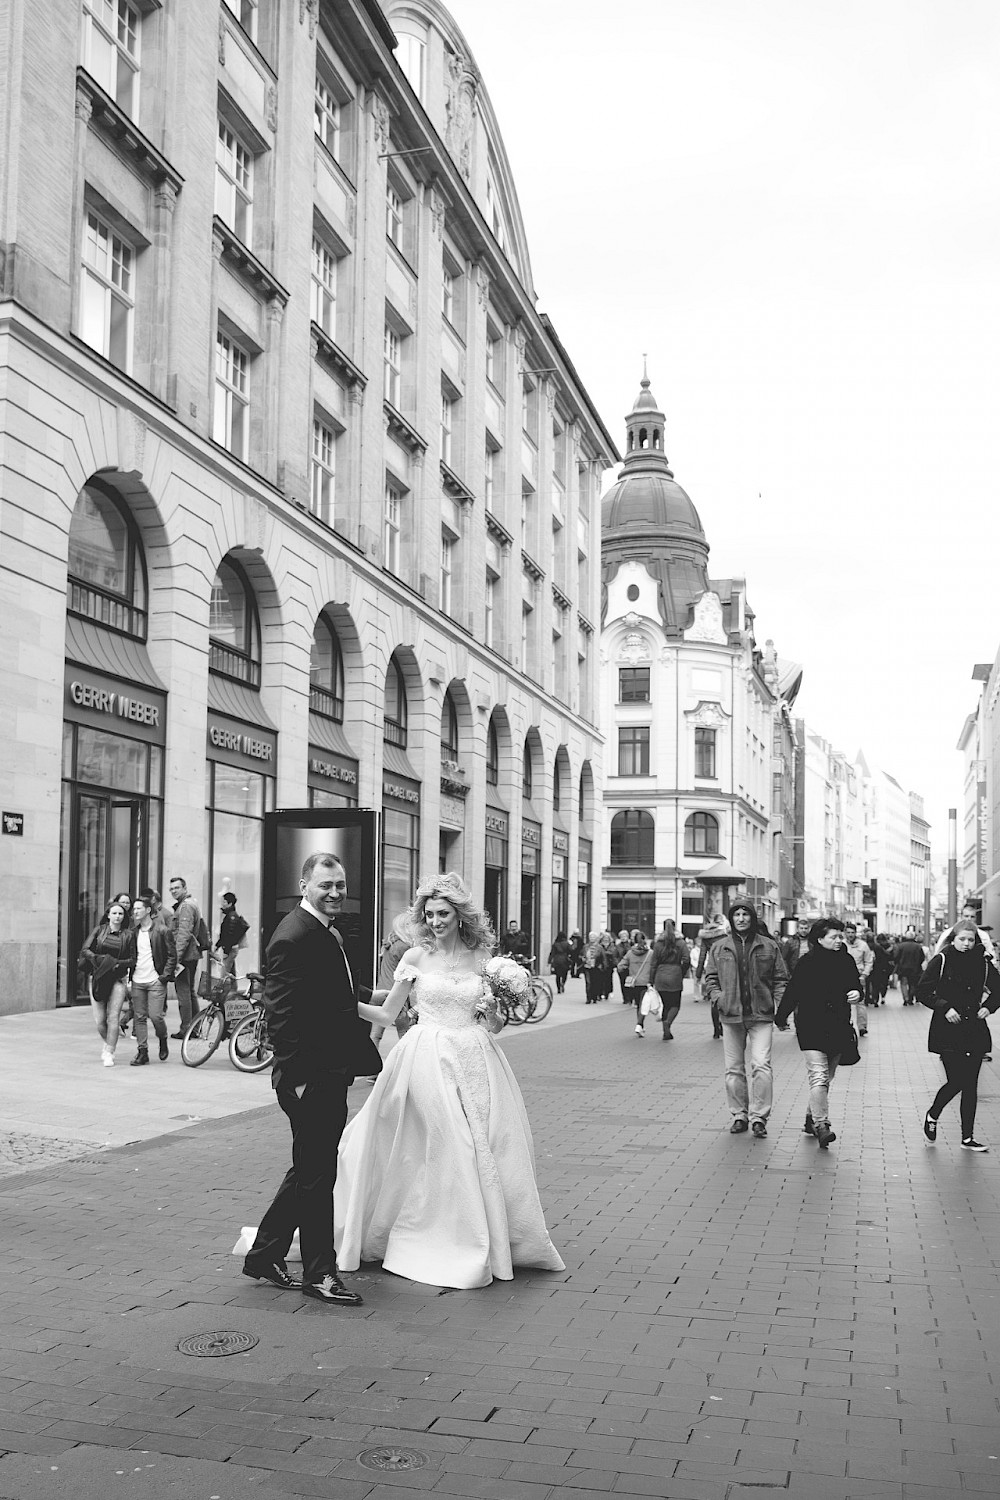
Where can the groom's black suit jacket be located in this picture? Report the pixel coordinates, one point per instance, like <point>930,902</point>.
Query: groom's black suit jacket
<point>312,1006</point>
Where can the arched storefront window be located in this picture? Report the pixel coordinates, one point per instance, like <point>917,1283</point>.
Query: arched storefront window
<point>632,838</point>
<point>107,572</point>
<point>492,756</point>
<point>527,777</point>
<point>326,673</point>
<point>701,834</point>
<point>395,718</point>
<point>449,731</point>
<point>233,627</point>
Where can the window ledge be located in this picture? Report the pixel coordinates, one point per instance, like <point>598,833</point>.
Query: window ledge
<point>116,126</point>
<point>497,532</point>
<point>332,354</point>
<point>246,265</point>
<point>584,623</point>
<point>400,429</point>
<point>530,567</point>
<point>454,486</point>
<point>561,600</point>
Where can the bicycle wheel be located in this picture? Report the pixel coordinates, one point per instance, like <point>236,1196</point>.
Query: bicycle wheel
<point>250,1048</point>
<point>202,1035</point>
<point>542,994</point>
<point>521,1010</point>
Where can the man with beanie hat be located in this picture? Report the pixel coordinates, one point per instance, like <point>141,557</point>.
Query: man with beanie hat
<point>745,976</point>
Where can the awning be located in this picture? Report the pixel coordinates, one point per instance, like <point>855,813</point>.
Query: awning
<point>394,760</point>
<point>88,645</point>
<point>329,735</point>
<point>236,702</point>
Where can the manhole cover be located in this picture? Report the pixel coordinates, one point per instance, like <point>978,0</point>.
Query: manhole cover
<point>392,1459</point>
<point>227,1342</point>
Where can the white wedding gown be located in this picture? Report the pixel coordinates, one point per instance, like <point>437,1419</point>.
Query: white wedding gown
<point>436,1173</point>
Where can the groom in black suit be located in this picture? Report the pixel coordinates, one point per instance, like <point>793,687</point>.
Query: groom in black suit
<point>319,1043</point>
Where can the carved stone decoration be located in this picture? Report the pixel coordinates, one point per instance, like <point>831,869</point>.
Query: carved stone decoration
<point>84,105</point>
<point>483,283</point>
<point>271,106</point>
<point>380,115</point>
<point>634,649</point>
<point>707,715</point>
<point>222,38</point>
<point>707,621</point>
<point>460,103</point>
<point>309,8</point>
<point>437,215</point>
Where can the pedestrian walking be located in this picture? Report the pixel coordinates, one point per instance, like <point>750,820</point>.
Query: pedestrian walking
<point>576,946</point>
<point>610,958</point>
<point>109,954</point>
<point>593,968</point>
<point>515,942</point>
<point>962,988</point>
<point>821,990</point>
<point>151,972</point>
<point>716,927</point>
<point>124,900</point>
<point>908,958</point>
<point>793,946</point>
<point>970,913</point>
<point>746,976</point>
<point>634,972</point>
<point>881,969</point>
<point>191,938</point>
<point>233,928</point>
<point>864,961</point>
<point>623,943</point>
<point>669,962</point>
<point>559,961</point>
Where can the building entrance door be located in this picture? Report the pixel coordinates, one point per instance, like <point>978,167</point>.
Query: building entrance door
<point>110,834</point>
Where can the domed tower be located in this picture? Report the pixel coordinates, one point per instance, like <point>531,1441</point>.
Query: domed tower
<point>647,517</point>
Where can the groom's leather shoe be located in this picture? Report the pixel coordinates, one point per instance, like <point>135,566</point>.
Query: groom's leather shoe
<point>332,1290</point>
<point>274,1271</point>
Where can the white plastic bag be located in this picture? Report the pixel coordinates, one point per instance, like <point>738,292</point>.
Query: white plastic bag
<point>651,1004</point>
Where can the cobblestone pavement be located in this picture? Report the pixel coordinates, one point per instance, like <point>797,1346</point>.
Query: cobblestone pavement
<point>737,1315</point>
<point>22,1152</point>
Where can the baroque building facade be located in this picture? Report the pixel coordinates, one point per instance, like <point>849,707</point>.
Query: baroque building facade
<point>701,754</point>
<point>299,490</point>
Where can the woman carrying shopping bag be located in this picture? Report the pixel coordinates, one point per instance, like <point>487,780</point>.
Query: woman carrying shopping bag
<point>669,962</point>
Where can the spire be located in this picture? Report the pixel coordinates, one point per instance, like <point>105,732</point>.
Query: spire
<point>644,433</point>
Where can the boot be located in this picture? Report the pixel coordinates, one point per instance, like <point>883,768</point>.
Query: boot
<point>669,1017</point>
<point>140,1059</point>
<point>164,1049</point>
<point>809,1128</point>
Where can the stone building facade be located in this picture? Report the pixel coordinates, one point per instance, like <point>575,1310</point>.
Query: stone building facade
<point>298,491</point>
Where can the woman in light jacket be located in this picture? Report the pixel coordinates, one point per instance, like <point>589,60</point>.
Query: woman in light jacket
<point>634,971</point>
<point>962,987</point>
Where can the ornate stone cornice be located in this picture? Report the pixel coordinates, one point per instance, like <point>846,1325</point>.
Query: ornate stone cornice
<point>497,532</point>
<point>454,487</point>
<point>245,264</point>
<point>399,428</point>
<point>331,354</point>
<point>111,121</point>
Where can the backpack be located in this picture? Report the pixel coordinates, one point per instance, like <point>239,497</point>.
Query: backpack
<point>202,936</point>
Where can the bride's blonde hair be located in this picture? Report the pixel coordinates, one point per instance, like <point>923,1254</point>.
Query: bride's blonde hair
<point>475,929</point>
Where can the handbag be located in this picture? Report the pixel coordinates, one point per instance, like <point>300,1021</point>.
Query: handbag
<point>651,1004</point>
<point>851,1053</point>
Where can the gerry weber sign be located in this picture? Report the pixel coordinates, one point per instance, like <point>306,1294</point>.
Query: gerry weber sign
<point>242,744</point>
<point>115,707</point>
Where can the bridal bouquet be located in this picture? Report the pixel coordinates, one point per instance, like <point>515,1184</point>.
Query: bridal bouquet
<point>503,981</point>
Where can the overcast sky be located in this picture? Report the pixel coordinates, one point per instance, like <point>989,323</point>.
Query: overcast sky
<point>792,207</point>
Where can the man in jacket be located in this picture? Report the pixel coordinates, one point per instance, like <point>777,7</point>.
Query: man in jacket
<point>864,962</point>
<point>312,1012</point>
<point>745,976</point>
<point>187,921</point>
<point>908,956</point>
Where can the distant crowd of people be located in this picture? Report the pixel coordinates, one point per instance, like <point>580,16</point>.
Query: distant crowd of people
<point>139,947</point>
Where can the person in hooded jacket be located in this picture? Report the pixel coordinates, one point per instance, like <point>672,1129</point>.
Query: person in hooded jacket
<point>962,987</point>
<point>714,928</point>
<point>746,976</point>
<point>825,983</point>
<point>669,962</point>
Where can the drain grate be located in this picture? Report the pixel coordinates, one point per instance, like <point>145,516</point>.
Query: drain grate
<point>205,1345</point>
<point>392,1460</point>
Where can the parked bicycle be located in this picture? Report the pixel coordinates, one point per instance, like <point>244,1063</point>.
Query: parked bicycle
<point>250,1048</point>
<point>230,1003</point>
<point>534,1005</point>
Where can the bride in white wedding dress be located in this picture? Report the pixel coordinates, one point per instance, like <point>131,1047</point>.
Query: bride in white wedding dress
<point>436,1173</point>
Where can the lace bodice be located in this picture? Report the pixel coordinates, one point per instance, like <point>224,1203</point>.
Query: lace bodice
<point>447,1000</point>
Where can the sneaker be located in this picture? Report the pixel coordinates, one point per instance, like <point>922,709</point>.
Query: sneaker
<point>639,1031</point>
<point>930,1127</point>
<point>808,1128</point>
<point>759,1129</point>
<point>108,1058</point>
<point>971,1145</point>
<point>739,1126</point>
<point>825,1135</point>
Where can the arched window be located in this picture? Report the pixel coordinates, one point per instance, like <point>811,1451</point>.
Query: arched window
<point>394,721</point>
<point>526,774</point>
<point>492,756</point>
<point>326,672</point>
<point>557,787</point>
<point>701,834</point>
<point>632,835</point>
<point>449,731</point>
<point>581,798</point>
<point>107,571</point>
<point>233,627</point>
<point>656,437</point>
<point>643,438</point>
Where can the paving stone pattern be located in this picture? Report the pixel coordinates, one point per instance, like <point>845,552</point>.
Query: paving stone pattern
<point>737,1316</point>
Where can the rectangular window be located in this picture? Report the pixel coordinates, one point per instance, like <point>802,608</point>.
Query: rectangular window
<point>326,117</point>
<point>704,753</point>
<point>245,12</point>
<point>107,293</point>
<point>559,452</point>
<point>494,357</point>
<point>392,353</point>
<point>111,50</point>
<point>410,56</point>
<point>529,408</point>
<point>447,565</point>
<point>448,295</point>
<point>324,468</point>
<point>633,684</point>
<point>489,477</point>
<point>490,602</point>
<point>234,182</point>
<point>526,614</point>
<point>447,428</point>
<point>231,415</point>
<point>324,287</point>
<point>391,527</point>
<point>393,216</point>
<point>633,751</point>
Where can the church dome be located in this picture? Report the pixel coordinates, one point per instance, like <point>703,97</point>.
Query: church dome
<point>649,501</point>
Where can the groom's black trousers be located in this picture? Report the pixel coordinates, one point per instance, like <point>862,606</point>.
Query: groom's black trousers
<point>305,1197</point>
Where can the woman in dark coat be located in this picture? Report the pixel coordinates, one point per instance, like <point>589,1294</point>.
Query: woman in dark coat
<point>559,960</point>
<point>962,987</point>
<point>109,953</point>
<point>669,961</point>
<point>824,985</point>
